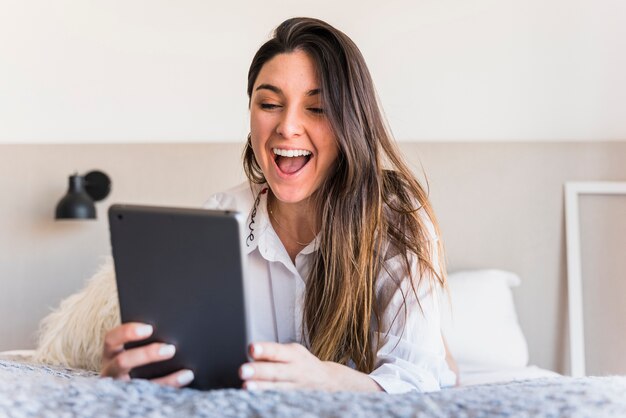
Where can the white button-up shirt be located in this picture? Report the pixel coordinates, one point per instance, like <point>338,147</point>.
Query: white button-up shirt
<point>410,354</point>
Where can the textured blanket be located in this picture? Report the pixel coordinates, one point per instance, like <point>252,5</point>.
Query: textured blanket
<point>28,390</point>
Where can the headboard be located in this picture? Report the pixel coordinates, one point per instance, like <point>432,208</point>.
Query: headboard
<point>500,205</point>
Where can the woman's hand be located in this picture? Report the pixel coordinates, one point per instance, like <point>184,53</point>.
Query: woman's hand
<point>118,362</point>
<point>292,366</point>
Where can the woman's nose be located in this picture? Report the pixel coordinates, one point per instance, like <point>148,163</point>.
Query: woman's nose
<point>291,124</point>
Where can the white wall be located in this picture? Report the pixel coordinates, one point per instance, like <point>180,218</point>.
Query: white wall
<point>156,70</point>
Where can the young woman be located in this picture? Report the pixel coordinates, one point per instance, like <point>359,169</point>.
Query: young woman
<point>343,250</point>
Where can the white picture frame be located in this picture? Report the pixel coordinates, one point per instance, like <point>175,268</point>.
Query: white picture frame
<point>574,270</point>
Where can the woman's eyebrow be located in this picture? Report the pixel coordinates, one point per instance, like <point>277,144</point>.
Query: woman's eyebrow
<point>277,90</point>
<point>269,87</point>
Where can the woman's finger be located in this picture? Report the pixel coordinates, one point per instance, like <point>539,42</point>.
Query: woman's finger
<point>123,362</point>
<point>267,371</point>
<point>277,352</point>
<point>177,379</point>
<point>264,385</point>
<point>116,338</point>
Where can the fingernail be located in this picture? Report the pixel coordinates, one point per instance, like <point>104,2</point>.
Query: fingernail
<point>167,350</point>
<point>185,377</point>
<point>257,350</point>
<point>251,386</point>
<point>143,330</point>
<point>246,371</point>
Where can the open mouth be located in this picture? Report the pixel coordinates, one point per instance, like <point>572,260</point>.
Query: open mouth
<point>290,161</point>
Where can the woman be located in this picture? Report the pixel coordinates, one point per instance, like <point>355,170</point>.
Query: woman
<point>342,246</point>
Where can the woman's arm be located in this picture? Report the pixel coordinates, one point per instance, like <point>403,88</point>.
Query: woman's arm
<point>451,362</point>
<point>411,354</point>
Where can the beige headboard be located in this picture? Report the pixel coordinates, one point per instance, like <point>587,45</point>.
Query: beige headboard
<point>500,205</point>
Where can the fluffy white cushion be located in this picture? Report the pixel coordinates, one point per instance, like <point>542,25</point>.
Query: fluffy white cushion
<point>73,335</point>
<point>481,327</point>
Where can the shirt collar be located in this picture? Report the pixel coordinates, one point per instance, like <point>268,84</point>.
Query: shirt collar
<point>313,245</point>
<point>258,223</point>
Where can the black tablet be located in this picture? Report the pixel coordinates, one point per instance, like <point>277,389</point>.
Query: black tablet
<point>181,271</point>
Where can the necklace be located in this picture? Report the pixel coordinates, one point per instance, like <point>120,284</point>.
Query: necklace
<point>269,209</point>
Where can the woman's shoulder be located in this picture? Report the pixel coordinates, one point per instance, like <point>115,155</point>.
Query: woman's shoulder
<point>239,198</point>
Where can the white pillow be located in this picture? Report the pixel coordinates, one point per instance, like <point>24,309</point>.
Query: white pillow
<point>481,327</point>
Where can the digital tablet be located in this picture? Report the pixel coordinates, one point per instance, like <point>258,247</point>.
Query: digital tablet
<point>181,271</point>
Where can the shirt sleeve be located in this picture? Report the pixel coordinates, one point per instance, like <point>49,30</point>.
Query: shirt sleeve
<point>215,202</point>
<point>410,354</point>
<point>221,201</point>
<point>240,198</point>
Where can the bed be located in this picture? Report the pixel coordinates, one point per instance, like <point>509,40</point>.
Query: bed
<point>482,333</point>
<point>29,390</point>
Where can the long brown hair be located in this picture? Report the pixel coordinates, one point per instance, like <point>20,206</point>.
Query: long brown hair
<point>368,206</point>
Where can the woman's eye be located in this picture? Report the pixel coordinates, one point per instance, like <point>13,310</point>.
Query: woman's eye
<point>269,106</point>
<point>316,110</point>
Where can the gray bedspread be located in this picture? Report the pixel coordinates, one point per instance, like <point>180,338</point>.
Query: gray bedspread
<point>28,390</point>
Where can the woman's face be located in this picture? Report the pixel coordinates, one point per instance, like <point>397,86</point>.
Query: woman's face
<point>291,137</point>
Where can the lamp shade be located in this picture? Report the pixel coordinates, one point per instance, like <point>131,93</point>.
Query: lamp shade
<point>76,204</point>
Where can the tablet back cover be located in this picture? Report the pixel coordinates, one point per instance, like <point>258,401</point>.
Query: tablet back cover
<point>181,271</point>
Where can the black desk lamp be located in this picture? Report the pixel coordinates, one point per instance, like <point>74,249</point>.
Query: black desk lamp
<point>83,191</point>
